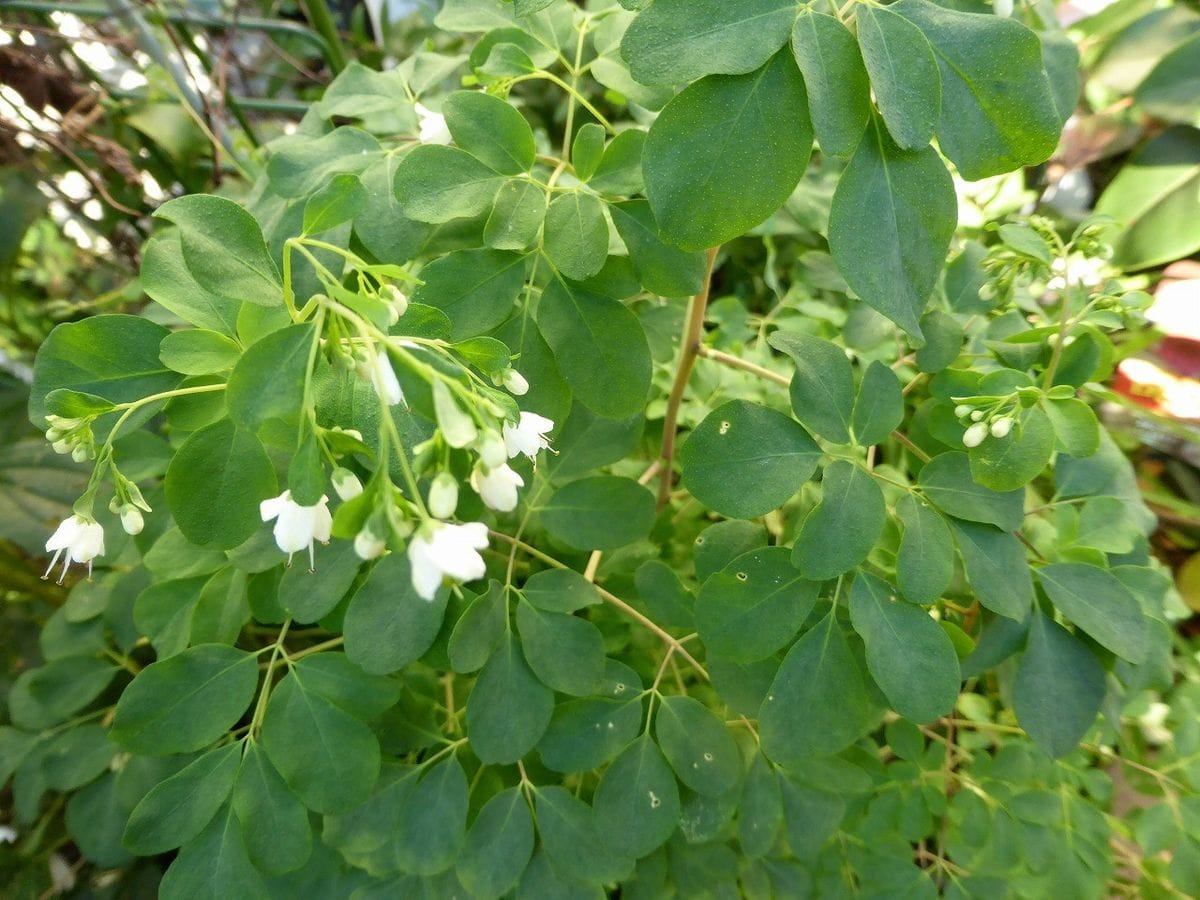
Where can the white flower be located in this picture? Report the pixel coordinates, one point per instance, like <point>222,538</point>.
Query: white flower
<point>296,526</point>
<point>7,835</point>
<point>1001,427</point>
<point>529,435</point>
<point>368,545</point>
<point>441,549</point>
<point>131,519</point>
<point>1002,8</point>
<point>61,874</point>
<point>396,300</point>
<point>497,487</point>
<point>975,434</point>
<point>346,483</point>
<point>515,382</point>
<point>443,496</point>
<point>432,125</point>
<point>76,540</point>
<point>383,379</point>
<point>491,448</point>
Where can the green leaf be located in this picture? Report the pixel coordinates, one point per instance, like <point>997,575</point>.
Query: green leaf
<point>844,527</point>
<point>72,758</point>
<point>661,268</point>
<point>1171,89</point>
<point>223,249</point>
<point>300,164</point>
<point>1076,428</point>
<point>745,460</point>
<point>186,702</point>
<point>585,734</point>
<point>1011,462</point>
<point>498,846</point>
<point>620,169</point>
<point>327,757</point>
<point>754,605</point>
<point>943,340</point>
<point>1058,688</point>
<point>602,512</point>
<point>76,404</point>
<point>112,357</point>
<point>664,595</point>
<point>727,152</point>
<point>1156,199</point>
<point>436,184</point>
<point>311,595</point>
<point>215,482</point>
<point>572,839</point>
<point>388,625</point>
<point>336,678</point>
<point>49,694</point>
<point>177,809</point>
<point>215,865</point>
<point>340,199</point>
<point>198,352</point>
<point>275,824</point>
<point>433,820</point>
<point>508,709</point>
<point>697,745</point>
<point>817,704</point>
<point>910,657</point>
<point>575,236</point>
<point>167,280</point>
<point>812,816</point>
<point>478,630</point>
<point>559,590</point>
<point>879,406</point>
<point>587,149</point>
<point>600,348</point>
<point>996,568</point>
<point>475,288</point>
<point>839,92</point>
<point>890,225</point>
<point>676,41</point>
<point>95,819</point>
<point>636,804</point>
<point>947,483</point>
<point>760,812</point>
<point>925,559</point>
<point>998,111</point>
<point>904,74</point>
<point>1097,602</point>
<point>491,130</point>
<point>268,381</point>
<point>822,390</point>
<point>516,216</point>
<point>565,652</point>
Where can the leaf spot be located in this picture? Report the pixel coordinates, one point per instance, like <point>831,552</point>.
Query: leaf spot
<point>655,803</point>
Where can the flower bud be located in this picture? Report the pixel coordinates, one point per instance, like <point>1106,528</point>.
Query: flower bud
<point>368,545</point>
<point>1002,8</point>
<point>975,434</point>
<point>514,382</point>
<point>1002,427</point>
<point>962,410</point>
<point>977,415</point>
<point>80,453</point>
<point>346,483</point>
<point>61,446</point>
<point>987,292</point>
<point>492,450</point>
<point>443,496</point>
<point>395,298</point>
<point>131,519</point>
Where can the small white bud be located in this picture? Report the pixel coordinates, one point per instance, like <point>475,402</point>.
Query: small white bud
<point>131,519</point>
<point>61,446</point>
<point>962,410</point>
<point>80,453</point>
<point>346,483</point>
<point>1001,427</point>
<point>368,545</point>
<point>987,292</point>
<point>395,298</point>
<point>492,450</point>
<point>443,496</point>
<point>1002,8</point>
<point>977,416</point>
<point>975,434</point>
<point>515,382</point>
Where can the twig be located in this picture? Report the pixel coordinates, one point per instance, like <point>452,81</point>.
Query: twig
<point>736,362</point>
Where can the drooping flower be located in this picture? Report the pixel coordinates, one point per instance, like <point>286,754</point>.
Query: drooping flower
<point>383,379</point>
<point>296,526</point>
<point>497,487</point>
<point>345,483</point>
<point>368,545</point>
<point>441,549</point>
<point>491,448</point>
<point>529,436</point>
<point>77,539</point>
<point>432,126</point>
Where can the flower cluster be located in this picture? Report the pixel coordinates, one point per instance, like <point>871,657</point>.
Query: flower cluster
<point>71,435</point>
<point>984,422</point>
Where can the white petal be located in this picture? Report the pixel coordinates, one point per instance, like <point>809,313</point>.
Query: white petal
<point>294,529</point>
<point>322,520</point>
<point>269,509</point>
<point>88,543</point>
<point>426,574</point>
<point>65,534</point>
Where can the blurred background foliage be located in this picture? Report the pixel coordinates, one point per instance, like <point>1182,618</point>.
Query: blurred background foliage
<point>107,109</point>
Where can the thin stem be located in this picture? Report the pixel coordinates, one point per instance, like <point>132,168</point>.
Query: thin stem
<point>693,330</point>
<point>736,362</point>
<point>260,707</point>
<point>912,448</point>
<point>583,101</point>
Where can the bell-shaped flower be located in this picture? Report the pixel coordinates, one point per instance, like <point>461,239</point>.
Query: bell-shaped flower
<point>345,483</point>
<point>77,539</point>
<point>383,379</point>
<point>529,436</point>
<point>432,126</point>
<point>491,448</point>
<point>497,487</point>
<point>443,550</point>
<point>368,545</point>
<point>296,526</point>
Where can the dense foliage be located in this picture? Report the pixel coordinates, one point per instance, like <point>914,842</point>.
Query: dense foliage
<point>549,473</point>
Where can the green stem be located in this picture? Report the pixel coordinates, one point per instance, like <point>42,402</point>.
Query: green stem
<point>583,101</point>
<point>317,13</point>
